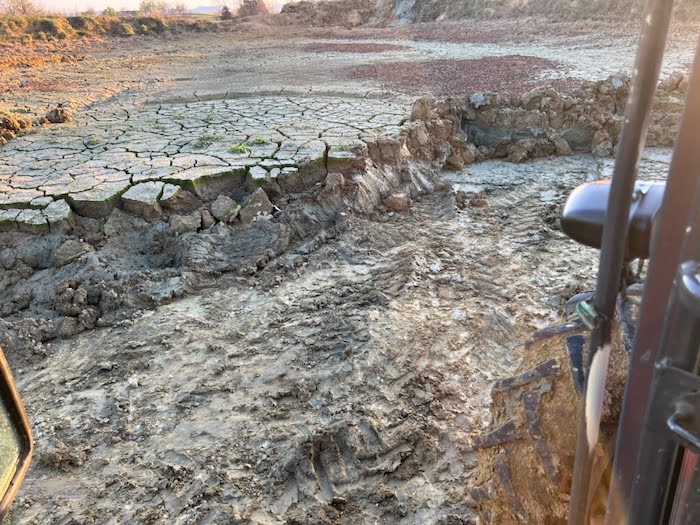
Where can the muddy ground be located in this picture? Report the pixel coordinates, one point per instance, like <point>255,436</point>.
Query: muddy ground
<point>334,373</point>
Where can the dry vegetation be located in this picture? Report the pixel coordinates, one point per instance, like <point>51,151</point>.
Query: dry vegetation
<point>49,28</point>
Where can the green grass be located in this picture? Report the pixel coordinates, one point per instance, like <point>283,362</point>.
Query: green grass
<point>257,141</point>
<point>238,148</point>
<point>206,140</point>
<point>92,142</point>
<point>179,116</point>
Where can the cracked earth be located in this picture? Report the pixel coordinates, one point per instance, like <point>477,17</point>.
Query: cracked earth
<point>215,315</point>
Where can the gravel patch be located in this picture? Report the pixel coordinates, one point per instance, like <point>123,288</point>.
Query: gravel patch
<point>511,74</point>
<point>353,48</point>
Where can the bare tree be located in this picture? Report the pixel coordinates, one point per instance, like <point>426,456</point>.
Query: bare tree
<point>253,7</point>
<point>19,8</point>
<point>226,13</point>
<point>153,7</point>
<point>178,9</point>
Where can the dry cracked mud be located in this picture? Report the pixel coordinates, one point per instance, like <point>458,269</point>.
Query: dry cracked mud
<point>214,316</point>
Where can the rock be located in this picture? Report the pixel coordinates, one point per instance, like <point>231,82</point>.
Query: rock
<point>398,202</point>
<point>256,205</point>
<point>600,137</point>
<point>142,199</point>
<point>470,153</point>
<point>59,116</point>
<point>478,99</point>
<point>71,250</point>
<point>334,184</point>
<point>98,202</point>
<point>32,221</point>
<point>672,82</point>
<point>311,162</point>
<point>69,327</point>
<point>185,223</point>
<point>208,219</point>
<point>9,122</point>
<point>258,177</point>
<point>207,182</point>
<point>604,149</point>
<point>225,209</point>
<point>562,147</point>
<point>175,199</point>
<point>517,153</point>
<point>347,159</point>
<point>532,99</point>
<point>422,109</point>
<point>122,222</point>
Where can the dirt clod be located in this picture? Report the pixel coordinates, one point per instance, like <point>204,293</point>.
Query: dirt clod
<point>398,202</point>
<point>59,116</point>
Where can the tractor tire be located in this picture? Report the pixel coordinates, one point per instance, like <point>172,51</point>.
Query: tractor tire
<point>526,458</point>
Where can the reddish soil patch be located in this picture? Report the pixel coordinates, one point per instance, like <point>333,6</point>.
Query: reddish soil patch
<point>520,31</point>
<point>352,48</point>
<point>461,35</point>
<point>512,74</point>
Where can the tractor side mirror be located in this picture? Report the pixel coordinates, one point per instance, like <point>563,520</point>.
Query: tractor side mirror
<point>16,441</point>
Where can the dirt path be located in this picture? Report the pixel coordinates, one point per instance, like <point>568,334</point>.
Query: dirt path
<point>342,383</point>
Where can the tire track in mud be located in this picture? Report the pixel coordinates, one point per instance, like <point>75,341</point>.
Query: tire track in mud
<point>344,385</point>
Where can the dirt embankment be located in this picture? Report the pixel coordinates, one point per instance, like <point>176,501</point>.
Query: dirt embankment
<point>412,11</point>
<point>544,122</point>
<point>344,13</point>
<point>49,28</point>
<point>353,13</point>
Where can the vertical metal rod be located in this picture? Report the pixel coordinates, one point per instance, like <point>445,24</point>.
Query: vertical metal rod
<point>645,77</point>
<point>658,451</point>
<point>668,239</point>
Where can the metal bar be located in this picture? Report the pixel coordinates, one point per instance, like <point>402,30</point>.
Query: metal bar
<point>646,74</point>
<point>666,249</point>
<point>658,457</point>
<point>686,507</point>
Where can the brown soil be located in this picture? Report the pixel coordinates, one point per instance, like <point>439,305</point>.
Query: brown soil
<point>512,74</point>
<point>352,48</point>
<point>14,55</point>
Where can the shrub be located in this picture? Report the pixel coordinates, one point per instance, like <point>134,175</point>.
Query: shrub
<point>226,13</point>
<point>153,7</point>
<point>152,23</point>
<point>253,7</point>
<point>126,30</point>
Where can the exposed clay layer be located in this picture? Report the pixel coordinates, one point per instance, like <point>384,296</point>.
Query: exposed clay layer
<point>544,122</point>
<point>135,245</point>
